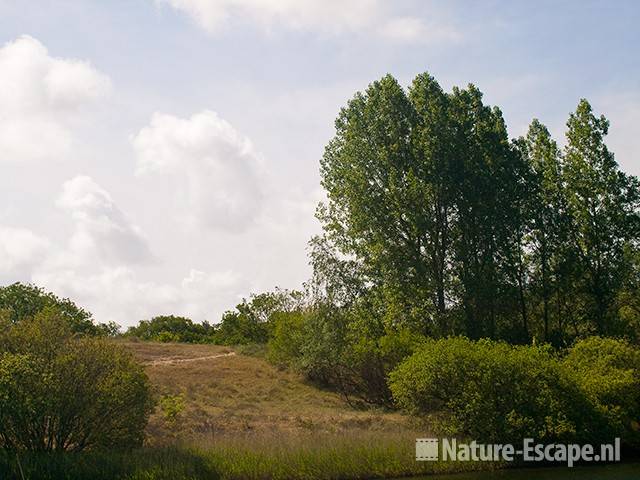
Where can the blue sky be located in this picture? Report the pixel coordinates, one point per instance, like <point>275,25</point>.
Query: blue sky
<point>162,156</point>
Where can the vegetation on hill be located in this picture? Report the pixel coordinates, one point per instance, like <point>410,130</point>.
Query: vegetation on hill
<point>19,301</point>
<point>485,285</point>
<point>60,391</point>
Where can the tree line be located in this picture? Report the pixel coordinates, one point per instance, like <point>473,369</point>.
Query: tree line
<point>450,228</point>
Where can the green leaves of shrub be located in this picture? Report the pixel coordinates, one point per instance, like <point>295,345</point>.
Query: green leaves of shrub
<point>495,392</point>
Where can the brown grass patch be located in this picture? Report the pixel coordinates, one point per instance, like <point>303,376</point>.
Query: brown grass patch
<point>240,395</point>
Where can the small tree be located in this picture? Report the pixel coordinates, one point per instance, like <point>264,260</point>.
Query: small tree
<point>60,391</point>
<point>22,301</point>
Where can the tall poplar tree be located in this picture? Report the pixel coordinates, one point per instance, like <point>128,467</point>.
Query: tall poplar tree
<point>603,206</point>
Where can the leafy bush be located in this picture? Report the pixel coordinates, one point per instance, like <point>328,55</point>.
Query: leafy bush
<point>608,372</point>
<point>172,406</point>
<point>59,391</point>
<point>238,328</point>
<point>287,341</point>
<point>171,328</point>
<point>348,349</point>
<point>22,301</point>
<point>253,320</point>
<point>494,392</point>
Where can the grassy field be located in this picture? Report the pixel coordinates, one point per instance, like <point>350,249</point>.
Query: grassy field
<point>242,418</point>
<point>229,394</point>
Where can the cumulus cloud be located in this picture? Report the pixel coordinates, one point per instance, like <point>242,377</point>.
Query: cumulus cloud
<point>327,16</point>
<point>117,293</point>
<point>102,232</point>
<point>39,95</point>
<point>20,251</point>
<point>99,266</point>
<point>214,168</point>
<point>623,110</point>
<point>415,30</point>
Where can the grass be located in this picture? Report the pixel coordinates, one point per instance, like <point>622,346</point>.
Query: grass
<point>244,394</point>
<point>325,457</point>
<point>241,418</point>
<point>293,458</point>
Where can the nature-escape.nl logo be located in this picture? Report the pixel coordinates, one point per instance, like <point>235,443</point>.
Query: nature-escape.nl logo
<point>449,449</point>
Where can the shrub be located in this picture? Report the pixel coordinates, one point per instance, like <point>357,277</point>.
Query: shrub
<point>252,321</point>
<point>171,328</point>
<point>348,349</point>
<point>493,391</point>
<point>59,391</point>
<point>286,343</point>
<point>608,372</point>
<point>25,301</point>
<point>172,406</point>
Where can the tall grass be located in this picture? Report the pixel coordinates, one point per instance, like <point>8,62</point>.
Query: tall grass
<point>324,457</point>
<point>247,458</point>
<point>144,464</point>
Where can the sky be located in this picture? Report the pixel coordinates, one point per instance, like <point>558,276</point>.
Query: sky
<point>162,156</point>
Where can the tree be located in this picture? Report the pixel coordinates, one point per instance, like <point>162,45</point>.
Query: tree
<point>24,301</point>
<point>489,225</point>
<point>550,261</point>
<point>373,178</point>
<point>603,207</point>
<point>60,391</point>
<point>425,198</point>
<point>172,328</point>
<point>252,320</point>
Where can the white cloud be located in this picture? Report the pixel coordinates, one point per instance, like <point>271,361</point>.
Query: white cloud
<point>214,167</point>
<point>39,95</point>
<point>415,30</point>
<point>325,16</point>
<point>102,233</point>
<point>117,294</point>
<point>623,111</point>
<point>20,251</point>
<point>99,267</point>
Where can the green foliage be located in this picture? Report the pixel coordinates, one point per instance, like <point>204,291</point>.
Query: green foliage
<point>285,345</point>
<point>252,320</point>
<point>492,391</point>
<point>460,231</point>
<point>250,323</point>
<point>170,328</point>
<point>22,301</point>
<point>172,406</point>
<point>497,392</point>
<point>338,348</point>
<point>608,372</point>
<point>603,204</point>
<point>60,391</point>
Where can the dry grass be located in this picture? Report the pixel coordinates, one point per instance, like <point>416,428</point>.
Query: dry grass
<point>244,419</point>
<point>240,395</point>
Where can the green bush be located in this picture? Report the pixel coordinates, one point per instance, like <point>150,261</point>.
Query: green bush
<point>286,343</point>
<point>348,349</point>
<point>60,391</point>
<point>171,328</point>
<point>21,301</point>
<point>252,321</point>
<point>493,391</point>
<point>172,406</point>
<point>608,372</point>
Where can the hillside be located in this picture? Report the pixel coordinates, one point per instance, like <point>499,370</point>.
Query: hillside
<point>227,393</point>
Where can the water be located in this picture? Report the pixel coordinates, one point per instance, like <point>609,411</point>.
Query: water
<point>630,471</point>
